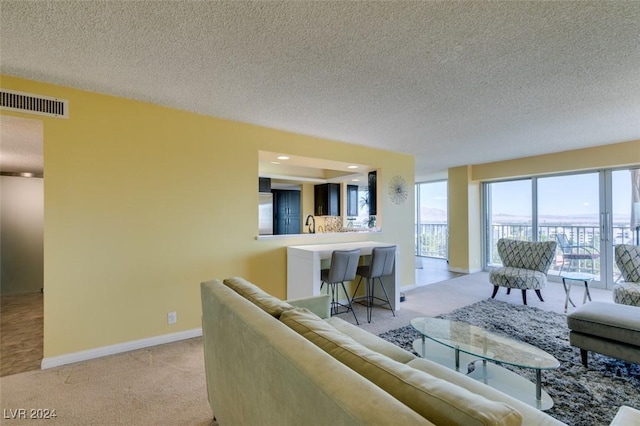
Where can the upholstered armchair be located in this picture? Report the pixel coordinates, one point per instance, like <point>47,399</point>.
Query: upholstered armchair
<point>628,260</point>
<point>525,266</point>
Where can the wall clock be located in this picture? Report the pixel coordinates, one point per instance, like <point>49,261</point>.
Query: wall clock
<point>398,190</point>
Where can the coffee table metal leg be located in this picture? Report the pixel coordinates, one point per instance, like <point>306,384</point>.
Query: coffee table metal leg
<point>567,291</point>
<point>538,385</point>
<point>586,293</point>
<point>457,359</point>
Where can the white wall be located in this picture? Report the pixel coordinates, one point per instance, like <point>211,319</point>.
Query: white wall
<point>21,234</point>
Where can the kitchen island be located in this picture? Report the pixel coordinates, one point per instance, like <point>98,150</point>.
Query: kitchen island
<point>304,263</point>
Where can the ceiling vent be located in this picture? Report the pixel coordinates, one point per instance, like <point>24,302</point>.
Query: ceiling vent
<point>33,104</point>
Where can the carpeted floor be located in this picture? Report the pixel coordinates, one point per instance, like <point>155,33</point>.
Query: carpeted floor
<point>164,385</point>
<point>581,396</point>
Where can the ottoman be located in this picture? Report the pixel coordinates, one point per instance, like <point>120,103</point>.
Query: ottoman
<point>607,328</point>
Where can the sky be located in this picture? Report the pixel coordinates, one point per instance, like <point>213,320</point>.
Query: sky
<point>569,195</point>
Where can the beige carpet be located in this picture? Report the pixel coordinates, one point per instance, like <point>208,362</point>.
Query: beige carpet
<point>165,385</point>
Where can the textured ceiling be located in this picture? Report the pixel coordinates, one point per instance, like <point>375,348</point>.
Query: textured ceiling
<point>452,83</point>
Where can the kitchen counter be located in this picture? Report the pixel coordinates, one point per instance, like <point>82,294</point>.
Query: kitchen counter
<point>304,264</point>
<point>319,235</point>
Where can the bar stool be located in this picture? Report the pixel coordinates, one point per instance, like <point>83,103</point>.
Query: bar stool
<point>382,262</point>
<point>344,264</point>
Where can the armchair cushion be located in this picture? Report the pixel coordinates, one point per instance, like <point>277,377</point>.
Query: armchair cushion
<point>517,278</point>
<point>627,258</point>
<point>627,294</point>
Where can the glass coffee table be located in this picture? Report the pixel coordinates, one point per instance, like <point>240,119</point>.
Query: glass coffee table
<point>455,343</point>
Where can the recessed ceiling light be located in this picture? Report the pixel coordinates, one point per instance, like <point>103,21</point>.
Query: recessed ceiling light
<point>26,174</point>
<point>355,180</point>
<point>275,162</point>
<point>352,167</point>
<point>283,157</point>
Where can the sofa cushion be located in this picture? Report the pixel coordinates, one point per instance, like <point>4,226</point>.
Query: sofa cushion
<point>530,415</point>
<point>607,320</point>
<point>270,304</point>
<point>626,416</point>
<point>371,341</point>
<point>437,400</point>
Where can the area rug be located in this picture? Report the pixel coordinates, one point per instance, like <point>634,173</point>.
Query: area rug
<point>581,396</point>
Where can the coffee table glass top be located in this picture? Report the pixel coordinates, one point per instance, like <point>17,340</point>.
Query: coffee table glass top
<point>577,276</point>
<point>475,341</point>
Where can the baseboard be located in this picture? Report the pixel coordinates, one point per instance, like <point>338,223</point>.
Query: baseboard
<point>59,360</point>
<point>408,287</point>
<point>464,270</point>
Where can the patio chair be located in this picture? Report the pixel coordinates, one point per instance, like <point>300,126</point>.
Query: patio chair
<point>573,254</point>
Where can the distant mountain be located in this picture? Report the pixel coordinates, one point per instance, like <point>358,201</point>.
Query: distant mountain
<point>592,220</point>
<point>430,215</point>
<point>433,215</point>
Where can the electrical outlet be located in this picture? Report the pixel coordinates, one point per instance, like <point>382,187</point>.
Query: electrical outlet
<point>172,318</point>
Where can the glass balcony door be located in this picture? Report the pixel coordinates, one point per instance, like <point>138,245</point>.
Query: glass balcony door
<point>431,220</point>
<point>587,214</point>
<point>508,215</point>
<point>569,210</point>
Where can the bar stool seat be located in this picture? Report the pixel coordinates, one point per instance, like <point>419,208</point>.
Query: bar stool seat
<point>382,263</point>
<point>344,264</point>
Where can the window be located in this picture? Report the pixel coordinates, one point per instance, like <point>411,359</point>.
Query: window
<point>431,220</point>
<point>585,213</point>
<point>509,215</point>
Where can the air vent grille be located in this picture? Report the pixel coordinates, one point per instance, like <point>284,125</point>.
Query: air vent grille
<point>34,104</point>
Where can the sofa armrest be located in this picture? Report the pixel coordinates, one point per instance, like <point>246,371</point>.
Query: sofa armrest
<point>626,416</point>
<point>319,305</point>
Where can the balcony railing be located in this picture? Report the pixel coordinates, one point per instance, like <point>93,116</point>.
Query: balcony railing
<point>432,238</point>
<point>587,237</point>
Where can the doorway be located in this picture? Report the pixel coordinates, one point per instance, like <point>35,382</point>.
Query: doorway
<point>22,244</point>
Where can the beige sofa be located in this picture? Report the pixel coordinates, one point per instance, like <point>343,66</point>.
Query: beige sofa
<point>289,363</point>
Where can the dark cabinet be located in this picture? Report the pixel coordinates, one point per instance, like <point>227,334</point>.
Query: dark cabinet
<point>373,202</point>
<point>327,199</point>
<point>352,200</point>
<point>286,212</point>
<point>264,184</point>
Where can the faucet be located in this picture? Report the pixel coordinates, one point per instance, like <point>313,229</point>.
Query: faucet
<point>311,223</point>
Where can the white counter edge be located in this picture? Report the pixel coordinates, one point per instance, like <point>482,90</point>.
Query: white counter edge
<point>319,235</point>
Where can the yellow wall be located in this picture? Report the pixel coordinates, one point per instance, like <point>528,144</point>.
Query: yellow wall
<point>464,220</point>
<point>605,156</point>
<point>142,203</point>
<point>458,219</point>
<point>464,190</point>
